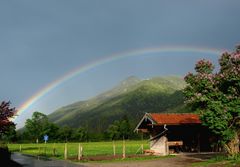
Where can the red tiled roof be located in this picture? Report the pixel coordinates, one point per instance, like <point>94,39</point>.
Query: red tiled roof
<point>175,119</point>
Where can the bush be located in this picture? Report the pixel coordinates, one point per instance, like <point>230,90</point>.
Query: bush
<point>5,154</point>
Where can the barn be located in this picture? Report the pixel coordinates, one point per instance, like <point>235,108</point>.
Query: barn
<point>173,133</point>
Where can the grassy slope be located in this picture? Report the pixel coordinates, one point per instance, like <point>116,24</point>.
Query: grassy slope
<point>132,98</point>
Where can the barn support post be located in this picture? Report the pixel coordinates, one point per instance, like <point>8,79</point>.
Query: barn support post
<point>142,142</point>
<point>166,146</point>
<point>198,146</point>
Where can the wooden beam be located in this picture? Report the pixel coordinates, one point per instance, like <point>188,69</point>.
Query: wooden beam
<point>175,143</point>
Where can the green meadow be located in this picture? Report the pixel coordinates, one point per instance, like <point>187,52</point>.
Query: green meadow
<point>88,148</point>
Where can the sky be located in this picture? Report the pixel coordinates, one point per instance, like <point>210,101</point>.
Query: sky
<point>43,41</point>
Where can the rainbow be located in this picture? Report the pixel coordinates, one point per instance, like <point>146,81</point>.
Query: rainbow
<point>37,96</point>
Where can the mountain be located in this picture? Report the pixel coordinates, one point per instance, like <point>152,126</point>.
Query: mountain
<point>131,98</point>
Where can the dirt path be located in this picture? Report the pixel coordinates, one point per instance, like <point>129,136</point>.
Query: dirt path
<point>184,160</point>
<point>178,161</point>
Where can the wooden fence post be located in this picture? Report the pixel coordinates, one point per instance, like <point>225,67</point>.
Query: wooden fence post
<point>142,148</point>
<point>65,151</point>
<point>20,148</point>
<point>79,151</point>
<point>114,148</point>
<point>124,150</point>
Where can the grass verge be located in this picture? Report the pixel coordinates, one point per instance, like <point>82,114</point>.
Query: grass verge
<point>128,159</point>
<point>220,161</point>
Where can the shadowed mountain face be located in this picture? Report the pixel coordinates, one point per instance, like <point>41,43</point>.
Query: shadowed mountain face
<point>132,98</point>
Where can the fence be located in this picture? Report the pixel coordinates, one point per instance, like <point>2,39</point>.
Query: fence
<point>78,151</point>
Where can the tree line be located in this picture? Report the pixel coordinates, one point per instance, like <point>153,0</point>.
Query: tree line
<point>38,126</point>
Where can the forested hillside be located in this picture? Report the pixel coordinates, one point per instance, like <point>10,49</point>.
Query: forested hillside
<point>129,100</point>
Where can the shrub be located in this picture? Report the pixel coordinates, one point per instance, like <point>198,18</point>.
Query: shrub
<point>5,154</point>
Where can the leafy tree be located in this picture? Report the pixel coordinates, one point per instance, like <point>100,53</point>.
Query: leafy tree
<point>6,113</point>
<point>124,127</point>
<point>113,130</point>
<point>10,135</point>
<point>80,134</point>
<point>65,133</point>
<point>51,130</point>
<point>216,97</point>
<point>119,129</point>
<point>36,127</point>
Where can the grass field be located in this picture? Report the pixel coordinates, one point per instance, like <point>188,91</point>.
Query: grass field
<point>89,148</point>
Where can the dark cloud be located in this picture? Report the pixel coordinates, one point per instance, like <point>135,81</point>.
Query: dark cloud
<point>42,40</point>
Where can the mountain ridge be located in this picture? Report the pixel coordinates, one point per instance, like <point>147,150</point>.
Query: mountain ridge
<point>131,98</point>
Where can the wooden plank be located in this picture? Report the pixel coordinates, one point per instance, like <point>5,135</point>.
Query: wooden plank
<point>143,130</point>
<point>150,152</point>
<point>175,143</point>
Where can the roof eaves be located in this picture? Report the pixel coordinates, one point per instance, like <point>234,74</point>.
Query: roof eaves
<point>154,122</point>
<point>146,116</point>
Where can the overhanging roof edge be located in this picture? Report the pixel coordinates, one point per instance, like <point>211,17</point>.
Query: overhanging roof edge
<point>148,116</point>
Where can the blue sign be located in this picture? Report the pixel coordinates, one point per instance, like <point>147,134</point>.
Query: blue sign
<point>45,138</point>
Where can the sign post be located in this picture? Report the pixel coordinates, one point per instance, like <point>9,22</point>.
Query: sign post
<point>45,138</point>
